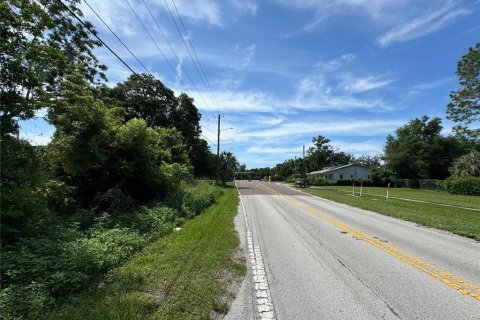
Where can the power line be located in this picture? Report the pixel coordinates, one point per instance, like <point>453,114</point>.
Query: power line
<point>161,52</point>
<point>189,53</point>
<point>153,40</point>
<point>171,47</point>
<point>111,50</point>
<point>118,38</point>
<point>195,53</point>
<point>98,38</point>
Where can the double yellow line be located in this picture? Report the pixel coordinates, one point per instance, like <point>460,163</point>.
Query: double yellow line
<point>446,277</point>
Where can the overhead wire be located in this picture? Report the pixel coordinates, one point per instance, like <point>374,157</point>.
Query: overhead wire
<point>118,38</point>
<point>172,49</point>
<point>188,50</point>
<point>195,53</point>
<point>98,38</point>
<point>87,27</point>
<point>160,50</point>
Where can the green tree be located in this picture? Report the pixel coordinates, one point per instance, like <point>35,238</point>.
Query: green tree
<point>464,107</point>
<point>368,160</point>
<point>418,150</point>
<point>320,154</point>
<point>228,166</point>
<point>467,165</point>
<point>39,44</point>
<point>98,152</point>
<point>146,98</point>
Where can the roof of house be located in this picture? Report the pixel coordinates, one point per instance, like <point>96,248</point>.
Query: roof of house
<point>331,169</point>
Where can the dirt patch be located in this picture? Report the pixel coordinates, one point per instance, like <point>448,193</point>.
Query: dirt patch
<point>232,277</point>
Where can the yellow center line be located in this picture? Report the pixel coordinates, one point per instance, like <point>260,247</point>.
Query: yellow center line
<point>446,277</point>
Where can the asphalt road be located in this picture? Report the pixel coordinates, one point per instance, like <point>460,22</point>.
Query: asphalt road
<point>311,258</point>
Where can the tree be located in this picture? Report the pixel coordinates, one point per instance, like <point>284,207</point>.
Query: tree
<point>368,160</point>
<point>228,166</point>
<point>320,154</point>
<point>418,150</point>
<point>464,108</point>
<point>39,44</point>
<point>99,152</point>
<point>467,165</point>
<point>146,98</point>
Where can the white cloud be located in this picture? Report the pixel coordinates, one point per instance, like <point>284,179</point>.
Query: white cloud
<point>357,148</point>
<point>197,10</point>
<point>349,127</point>
<point>375,9</point>
<point>178,69</point>
<point>248,54</point>
<point>36,139</point>
<point>431,85</point>
<point>272,150</point>
<point>246,6</point>
<point>358,85</point>
<point>423,25</point>
<point>336,63</point>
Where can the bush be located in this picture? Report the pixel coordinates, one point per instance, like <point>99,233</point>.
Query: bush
<point>315,181</point>
<point>358,182</point>
<point>466,186</point>
<point>38,272</point>
<point>75,253</point>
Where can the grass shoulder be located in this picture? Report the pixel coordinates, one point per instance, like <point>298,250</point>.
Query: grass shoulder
<point>184,275</point>
<point>452,218</point>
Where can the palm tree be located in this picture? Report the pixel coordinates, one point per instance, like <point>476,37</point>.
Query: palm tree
<point>467,165</point>
<point>228,165</point>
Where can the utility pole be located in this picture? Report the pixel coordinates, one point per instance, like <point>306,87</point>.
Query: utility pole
<point>304,170</point>
<point>218,150</point>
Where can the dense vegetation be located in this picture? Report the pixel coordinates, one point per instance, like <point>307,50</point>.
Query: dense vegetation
<point>118,173</point>
<point>184,275</point>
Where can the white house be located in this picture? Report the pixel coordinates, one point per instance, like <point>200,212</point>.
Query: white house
<point>349,171</point>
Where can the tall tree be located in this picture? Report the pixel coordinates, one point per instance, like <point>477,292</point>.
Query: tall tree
<point>40,43</point>
<point>418,150</point>
<point>464,108</point>
<point>228,166</point>
<point>146,98</point>
<point>320,154</point>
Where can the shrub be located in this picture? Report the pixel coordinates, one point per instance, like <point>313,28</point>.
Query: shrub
<point>59,196</point>
<point>467,165</point>
<point>466,186</point>
<point>315,181</point>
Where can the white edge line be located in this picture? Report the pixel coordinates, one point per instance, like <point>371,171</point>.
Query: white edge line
<point>262,290</point>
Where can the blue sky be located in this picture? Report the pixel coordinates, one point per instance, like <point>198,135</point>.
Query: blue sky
<point>284,71</point>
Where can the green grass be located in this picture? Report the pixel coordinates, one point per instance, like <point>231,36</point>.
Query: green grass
<point>182,276</point>
<point>417,194</point>
<point>460,221</point>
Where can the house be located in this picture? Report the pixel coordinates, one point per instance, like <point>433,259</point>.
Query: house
<point>349,171</point>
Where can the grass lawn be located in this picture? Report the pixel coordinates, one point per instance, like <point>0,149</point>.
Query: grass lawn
<point>460,221</point>
<point>184,275</point>
<point>417,194</point>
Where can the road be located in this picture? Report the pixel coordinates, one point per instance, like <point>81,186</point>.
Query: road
<point>310,258</point>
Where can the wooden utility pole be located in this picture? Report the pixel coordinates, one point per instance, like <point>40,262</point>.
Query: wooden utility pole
<point>304,170</point>
<point>218,150</point>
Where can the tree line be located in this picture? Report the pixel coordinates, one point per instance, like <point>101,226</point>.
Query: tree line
<point>418,149</point>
